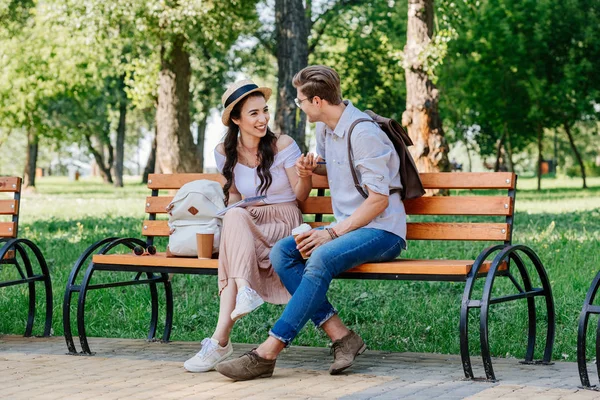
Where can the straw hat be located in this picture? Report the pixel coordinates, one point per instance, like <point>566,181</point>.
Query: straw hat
<point>236,92</point>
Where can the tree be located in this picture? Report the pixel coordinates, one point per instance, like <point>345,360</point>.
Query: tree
<point>291,27</point>
<point>422,119</point>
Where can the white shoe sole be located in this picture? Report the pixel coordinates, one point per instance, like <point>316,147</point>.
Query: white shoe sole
<point>190,367</point>
<point>237,314</point>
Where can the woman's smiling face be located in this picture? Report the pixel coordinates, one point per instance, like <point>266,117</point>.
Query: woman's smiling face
<point>254,117</point>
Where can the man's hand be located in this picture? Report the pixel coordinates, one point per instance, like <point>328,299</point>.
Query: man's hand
<point>309,241</point>
<point>305,165</point>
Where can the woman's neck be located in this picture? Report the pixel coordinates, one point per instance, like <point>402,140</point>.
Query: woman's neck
<point>249,142</point>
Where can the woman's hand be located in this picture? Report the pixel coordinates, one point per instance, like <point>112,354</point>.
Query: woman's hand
<point>309,241</point>
<point>305,165</point>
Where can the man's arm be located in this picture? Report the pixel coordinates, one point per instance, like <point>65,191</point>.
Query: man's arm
<point>374,205</point>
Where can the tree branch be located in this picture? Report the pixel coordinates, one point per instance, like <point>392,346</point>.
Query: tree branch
<point>326,18</point>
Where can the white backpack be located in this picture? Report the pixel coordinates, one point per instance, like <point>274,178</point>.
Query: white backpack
<point>194,210</point>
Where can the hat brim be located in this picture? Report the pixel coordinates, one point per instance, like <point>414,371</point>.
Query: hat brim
<point>227,111</point>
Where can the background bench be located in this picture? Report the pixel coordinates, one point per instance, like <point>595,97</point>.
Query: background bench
<point>22,254</point>
<point>501,260</point>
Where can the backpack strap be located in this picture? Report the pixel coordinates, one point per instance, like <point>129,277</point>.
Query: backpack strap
<point>362,192</point>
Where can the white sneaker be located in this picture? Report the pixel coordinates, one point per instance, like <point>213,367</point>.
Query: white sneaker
<point>209,355</point>
<point>246,301</point>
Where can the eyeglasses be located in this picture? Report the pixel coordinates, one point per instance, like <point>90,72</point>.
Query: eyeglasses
<point>299,102</point>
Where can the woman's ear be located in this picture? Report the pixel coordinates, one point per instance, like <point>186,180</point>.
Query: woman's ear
<point>235,121</point>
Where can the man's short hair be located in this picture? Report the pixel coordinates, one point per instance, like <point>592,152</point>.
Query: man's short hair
<point>319,80</point>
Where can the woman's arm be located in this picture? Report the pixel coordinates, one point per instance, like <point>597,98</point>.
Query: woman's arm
<point>234,195</point>
<point>302,185</point>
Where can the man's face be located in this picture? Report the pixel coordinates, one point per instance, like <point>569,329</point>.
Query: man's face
<point>310,109</point>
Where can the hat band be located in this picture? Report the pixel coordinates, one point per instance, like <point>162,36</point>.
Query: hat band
<point>239,93</point>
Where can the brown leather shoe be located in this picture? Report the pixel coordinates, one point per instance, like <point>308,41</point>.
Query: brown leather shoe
<point>248,366</point>
<point>345,351</point>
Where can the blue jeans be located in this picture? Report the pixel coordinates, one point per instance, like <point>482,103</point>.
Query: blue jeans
<point>308,281</point>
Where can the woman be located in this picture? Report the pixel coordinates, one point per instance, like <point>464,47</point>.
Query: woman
<point>254,161</point>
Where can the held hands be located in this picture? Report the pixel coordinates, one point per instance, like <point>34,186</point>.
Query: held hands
<point>311,240</point>
<point>305,165</point>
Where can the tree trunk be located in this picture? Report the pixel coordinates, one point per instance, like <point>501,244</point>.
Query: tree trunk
<point>540,137</point>
<point>291,27</point>
<point>120,150</point>
<point>176,151</point>
<point>151,163</point>
<point>577,155</point>
<point>201,134</point>
<point>31,159</point>
<point>421,117</point>
<point>99,158</point>
<point>510,165</point>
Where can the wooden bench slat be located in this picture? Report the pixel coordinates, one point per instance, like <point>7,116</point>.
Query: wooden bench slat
<point>399,267</point>
<point>461,205</point>
<point>440,180</point>
<point>468,180</point>
<point>155,228</point>
<point>157,205</point>
<point>9,207</point>
<point>7,229</point>
<point>415,230</point>
<point>457,231</point>
<point>10,184</point>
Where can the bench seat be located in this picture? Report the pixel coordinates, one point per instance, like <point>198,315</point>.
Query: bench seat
<point>458,268</point>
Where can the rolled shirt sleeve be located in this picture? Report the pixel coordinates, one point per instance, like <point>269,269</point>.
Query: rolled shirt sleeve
<point>372,159</point>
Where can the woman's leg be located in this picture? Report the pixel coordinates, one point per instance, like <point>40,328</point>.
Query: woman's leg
<point>226,306</point>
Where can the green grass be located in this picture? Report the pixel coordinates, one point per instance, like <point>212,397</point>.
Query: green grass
<point>561,223</point>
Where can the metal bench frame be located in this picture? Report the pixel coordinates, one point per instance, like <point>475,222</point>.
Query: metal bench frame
<point>14,249</point>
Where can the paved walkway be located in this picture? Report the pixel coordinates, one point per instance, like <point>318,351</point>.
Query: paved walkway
<point>38,368</point>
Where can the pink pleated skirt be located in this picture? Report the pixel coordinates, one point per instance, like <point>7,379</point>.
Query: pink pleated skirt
<point>247,237</point>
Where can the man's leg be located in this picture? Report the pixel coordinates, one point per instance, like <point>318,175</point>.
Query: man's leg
<point>331,259</point>
<point>290,266</point>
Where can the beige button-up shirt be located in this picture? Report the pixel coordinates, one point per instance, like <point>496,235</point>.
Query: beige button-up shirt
<point>377,165</point>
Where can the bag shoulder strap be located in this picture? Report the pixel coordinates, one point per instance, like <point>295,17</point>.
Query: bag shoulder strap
<point>362,192</point>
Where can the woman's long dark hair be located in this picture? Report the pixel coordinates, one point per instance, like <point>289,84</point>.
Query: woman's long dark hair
<point>266,152</point>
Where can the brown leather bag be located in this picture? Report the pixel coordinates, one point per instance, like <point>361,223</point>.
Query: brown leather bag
<point>412,187</point>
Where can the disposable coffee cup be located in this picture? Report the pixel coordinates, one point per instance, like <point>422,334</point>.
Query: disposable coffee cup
<point>299,230</point>
<point>204,242</point>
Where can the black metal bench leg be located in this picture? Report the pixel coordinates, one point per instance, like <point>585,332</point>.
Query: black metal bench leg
<point>85,348</point>
<point>169,307</point>
<point>31,287</point>
<point>67,320</point>
<point>485,345</point>
<point>531,313</point>
<point>582,330</point>
<point>464,330</point>
<point>154,301</point>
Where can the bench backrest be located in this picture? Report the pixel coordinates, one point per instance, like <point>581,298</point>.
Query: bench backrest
<point>319,205</point>
<point>10,207</point>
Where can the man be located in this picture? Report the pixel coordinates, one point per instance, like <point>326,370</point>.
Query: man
<point>365,230</point>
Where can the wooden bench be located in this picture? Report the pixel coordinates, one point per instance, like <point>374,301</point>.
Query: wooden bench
<point>22,254</point>
<point>499,260</point>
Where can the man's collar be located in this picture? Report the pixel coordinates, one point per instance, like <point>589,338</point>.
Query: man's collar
<point>345,120</point>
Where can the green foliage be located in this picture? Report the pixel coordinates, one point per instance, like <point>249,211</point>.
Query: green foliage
<point>517,67</point>
<point>362,45</point>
